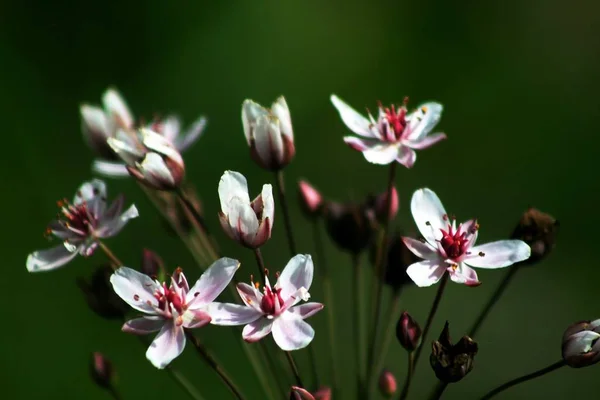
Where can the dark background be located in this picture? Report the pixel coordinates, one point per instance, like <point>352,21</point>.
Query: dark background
<point>519,83</point>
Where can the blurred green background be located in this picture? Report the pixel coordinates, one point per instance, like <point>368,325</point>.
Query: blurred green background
<point>519,81</point>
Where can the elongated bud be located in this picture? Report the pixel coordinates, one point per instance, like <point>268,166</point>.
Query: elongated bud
<point>350,226</point>
<point>380,202</point>
<point>153,265</point>
<point>100,296</point>
<point>324,393</point>
<point>311,201</point>
<point>538,230</point>
<point>387,384</point>
<point>451,362</point>
<point>102,371</point>
<point>408,332</point>
<point>580,346</point>
<point>297,393</point>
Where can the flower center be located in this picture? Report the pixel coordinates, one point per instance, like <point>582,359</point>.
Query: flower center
<point>397,118</point>
<point>77,218</point>
<point>169,297</point>
<point>267,303</point>
<point>455,244</point>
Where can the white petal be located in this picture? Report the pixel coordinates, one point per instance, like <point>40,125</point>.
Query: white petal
<point>306,310</point>
<point>465,275</point>
<point>46,260</point>
<point>290,332</point>
<point>426,141</point>
<point>168,344</point>
<point>95,125</point>
<point>243,219</point>
<point>268,203</point>
<point>426,273</point>
<point>282,112</point>
<point>420,249</point>
<point>423,120</point>
<point>184,141</point>
<point>170,128</point>
<point>193,319</point>
<point>268,141</point>
<point>114,103</point>
<point>113,169</point>
<point>155,170</point>
<point>353,120</point>
<point>498,254</point>
<point>257,330</point>
<point>382,154</point>
<point>128,153</point>
<point>407,156</point>
<point>212,282</point>
<point>429,213</point>
<point>250,295</point>
<point>143,325</point>
<point>232,184</point>
<point>89,191</point>
<point>251,111</point>
<point>298,273</point>
<point>113,226</point>
<point>229,314</point>
<point>136,289</point>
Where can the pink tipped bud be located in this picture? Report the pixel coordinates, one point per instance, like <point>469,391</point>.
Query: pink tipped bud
<point>408,332</point>
<point>311,200</point>
<point>297,393</point>
<point>102,371</point>
<point>152,265</point>
<point>581,344</point>
<point>387,384</point>
<point>324,393</point>
<point>381,201</point>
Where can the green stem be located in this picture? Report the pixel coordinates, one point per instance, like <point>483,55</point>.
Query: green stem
<point>260,263</point>
<point>439,390</point>
<point>184,383</point>
<point>115,263</point>
<point>294,369</point>
<point>409,375</point>
<point>275,372</point>
<point>114,393</point>
<point>200,222</point>
<point>359,346</point>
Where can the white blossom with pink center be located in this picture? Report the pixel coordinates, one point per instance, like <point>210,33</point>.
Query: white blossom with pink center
<point>170,309</point>
<point>275,310</point>
<point>451,248</point>
<point>395,135</point>
<point>79,226</point>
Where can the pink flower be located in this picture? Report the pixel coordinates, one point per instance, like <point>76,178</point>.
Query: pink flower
<point>246,222</point>
<point>275,310</point>
<point>170,309</point>
<point>82,223</point>
<point>395,135</point>
<point>450,248</point>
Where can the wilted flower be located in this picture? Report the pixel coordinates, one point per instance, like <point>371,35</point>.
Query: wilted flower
<point>448,248</point>
<point>350,226</point>
<point>80,225</point>
<point>151,158</point>
<point>116,121</point>
<point>311,201</point>
<point>538,230</point>
<point>380,202</point>
<point>580,346</point>
<point>172,308</point>
<point>102,371</point>
<point>387,384</point>
<point>246,222</point>
<point>395,135</point>
<point>450,362</point>
<point>408,332</point>
<point>99,295</point>
<point>269,133</point>
<point>276,309</point>
<point>298,393</point>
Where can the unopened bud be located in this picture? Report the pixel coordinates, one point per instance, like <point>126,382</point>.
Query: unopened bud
<point>350,226</point>
<point>451,362</point>
<point>538,230</point>
<point>311,201</point>
<point>580,346</point>
<point>323,393</point>
<point>153,265</point>
<point>102,371</point>
<point>380,202</point>
<point>387,384</point>
<point>408,332</point>
<point>100,296</point>
<point>297,393</point>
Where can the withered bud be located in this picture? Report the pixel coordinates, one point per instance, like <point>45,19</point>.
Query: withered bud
<point>102,371</point>
<point>450,362</point>
<point>297,393</point>
<point>408,332</point>
<point>399,257</point>
<point>538,230</point>
<point>100,296</point>
<point>580,345</point>
<point>153,265</point>
<point>311,201</point>
<point>387,384</point>
<point>379,203</point>
<point>323,393</point>
<point>350,226</point>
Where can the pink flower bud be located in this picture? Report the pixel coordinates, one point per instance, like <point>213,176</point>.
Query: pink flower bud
<point>297,393</point>
<point>381,201</point>
<point>311,200</point>
<point>324,393</point>
<point>152,265</point>
<point>102,371</point>
<point>581,347</point>
<point>387,384</point>
<point>408,332</point>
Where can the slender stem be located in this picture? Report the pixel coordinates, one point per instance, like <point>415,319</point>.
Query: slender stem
<point>290,359</point>
<point>493,300</point>
<point>203,352</point>
<point>199,219</point>
<point>184,383</point>
<point>525,378</point>
<point>409,375</point>
<point>387,338</point>
<point>275,372</point>
<point>114,393</point>
<point>327,297</point>
<point>260,263</point>
<point>380,267</point>
<point>115,263</point>
<point>439,390</point>
<point>359,345</point>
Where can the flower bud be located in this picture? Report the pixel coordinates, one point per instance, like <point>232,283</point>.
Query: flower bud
<point>387,384</point>
<point>538,230</point>
<point>408,332</point>
<point>580,346</point>
<point>100,296</point>
<point>450,362</point>
<point>297,393</point>
<point>324,393</point>
<point>269,133</point>
<point>350,226</point>
<point>102,371</point>
<point>311,201</point>
<point>380,202</point>
<point>153,266</point>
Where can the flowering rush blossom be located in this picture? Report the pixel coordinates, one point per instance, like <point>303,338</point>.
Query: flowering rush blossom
<point>451,248</point>
<point>82,222</point>
<point>115,120</point>
<point>276,309</point>
<point>395,135</point>
<point>247,222</point>
<point>170,309</point>
<point>269,133</point>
